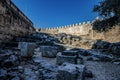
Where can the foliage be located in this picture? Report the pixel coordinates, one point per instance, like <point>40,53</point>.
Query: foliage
<point>108,8</point>
<point>110,11</point>
<point>104,25</point>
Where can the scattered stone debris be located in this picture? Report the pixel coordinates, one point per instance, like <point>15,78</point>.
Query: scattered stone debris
<point>33,60</point>
<point>111,48</point>
<point>69,71</point>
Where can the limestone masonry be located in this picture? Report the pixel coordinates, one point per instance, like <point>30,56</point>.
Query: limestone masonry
<point>13,22</point>
<point>85,31</point>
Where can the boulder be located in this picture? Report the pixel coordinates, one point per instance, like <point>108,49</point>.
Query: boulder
<point>69,71</point>
<point>27,48</point>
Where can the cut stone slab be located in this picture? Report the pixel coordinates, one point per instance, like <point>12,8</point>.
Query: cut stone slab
<point>69,71</point>
<point>63,58</point>
<point>49,51</point>
<point>27,48</point>
<point>70,53</point>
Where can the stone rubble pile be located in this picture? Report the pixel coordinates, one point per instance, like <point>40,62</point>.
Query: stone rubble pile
<point>73,40</point>
<point>40,38</point>
<point>27,60</point>
<point>9,62</point>
<point>111,48</point>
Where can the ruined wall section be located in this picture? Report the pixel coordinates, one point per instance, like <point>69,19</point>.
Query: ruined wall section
<point>13,22</point>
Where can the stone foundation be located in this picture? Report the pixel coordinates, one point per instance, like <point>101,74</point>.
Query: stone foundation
<point>70,56</point>
<point>63,58</point>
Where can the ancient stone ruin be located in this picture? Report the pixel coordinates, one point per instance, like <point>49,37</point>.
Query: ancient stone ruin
<point>53,54</point>
<point>13,23</point>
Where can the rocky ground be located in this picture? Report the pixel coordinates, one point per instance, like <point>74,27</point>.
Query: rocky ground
<point>103,70</point>
<point>18,63</point>
<point>100,70</point>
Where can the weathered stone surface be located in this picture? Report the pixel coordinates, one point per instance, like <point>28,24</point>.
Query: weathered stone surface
<point>20,69</point>
<point>89,58</point>
<point>112,48</point>
<point>30,74</point>
<point>49,51</point>
<point>86,32</point>
<point>13,22</point>
<point>71,56</point>
<point>3,73</point>
<point>27,49</point>
<point>80,60</point>
<point>47,70</point>
<point>101,45</point>
<point>16,78</point>
<point>99,56</point>
<point>63,58</point>
<point>69,71</point>
<point>81,51</point>
<point>88,73</point>
<point>116,61</point>
<point>8,59</point>
<point>70,53</point>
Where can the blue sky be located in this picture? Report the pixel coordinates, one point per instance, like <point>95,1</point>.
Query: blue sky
<point>53,13</point>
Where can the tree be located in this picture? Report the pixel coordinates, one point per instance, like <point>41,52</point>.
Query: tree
<point>110,11</point>
<point>108,8</point>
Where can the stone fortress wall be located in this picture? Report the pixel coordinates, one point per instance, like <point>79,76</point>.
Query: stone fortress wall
<point>85,31</point>
<point>75,29</point>
<point>13,22</point>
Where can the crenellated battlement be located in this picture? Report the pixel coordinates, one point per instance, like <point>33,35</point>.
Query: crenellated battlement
<point>85,31</point>
<point>67,26</point>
